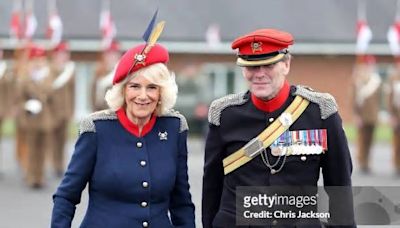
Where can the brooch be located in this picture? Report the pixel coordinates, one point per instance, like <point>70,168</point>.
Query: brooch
<point>163,135</point>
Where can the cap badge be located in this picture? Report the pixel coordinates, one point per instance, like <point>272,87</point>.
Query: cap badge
<point>256,46</point>
<point>163,135</point>
<point>140,58</point>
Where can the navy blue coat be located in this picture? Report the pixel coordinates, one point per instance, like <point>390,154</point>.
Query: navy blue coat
<point>235,120</point>
<point>133,181</point>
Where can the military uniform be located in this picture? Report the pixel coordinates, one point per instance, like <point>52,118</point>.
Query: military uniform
<point>394,109</point>
<point>5,90</point>
<point>137,173</point>
<point>134,180</point>
<point>235,120</point>
<point>104,76</point>
<point>62,104</point>
<point>34,114</point>
<point>366,94</point>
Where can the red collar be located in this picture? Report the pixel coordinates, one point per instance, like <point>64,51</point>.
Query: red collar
<point>133,128</point>
<point>274,103</point>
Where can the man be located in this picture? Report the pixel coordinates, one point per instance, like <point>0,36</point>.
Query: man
<point>103,76</point>
<point>366,85</point>
<point>394,110</point>
<point>235,120</point>
<point>5,93</point>
<point>62,102</point>
<point>35,117</point>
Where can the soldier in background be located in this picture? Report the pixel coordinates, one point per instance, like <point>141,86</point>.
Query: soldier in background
<point>34,88</point>
<point>394,110</point>
<point>62,70</point>
<point>103,76</point>
<point>366,84</point>
<point>5,96</point>
<point>19,66</point>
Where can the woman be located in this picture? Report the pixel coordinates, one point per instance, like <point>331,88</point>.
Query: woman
<point>134,156</point>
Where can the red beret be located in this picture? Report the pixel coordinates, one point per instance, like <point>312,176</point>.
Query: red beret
<point>62,46</point>
<point>262,47</point>
<point>133,60</point>
<point>114,46</point>
<point>366,59</point>
<point>35,51</point>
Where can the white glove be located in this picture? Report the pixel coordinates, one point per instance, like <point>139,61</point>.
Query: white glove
<point>33,106</point>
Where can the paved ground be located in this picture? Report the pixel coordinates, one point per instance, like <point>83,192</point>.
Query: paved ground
<point>23,207</point>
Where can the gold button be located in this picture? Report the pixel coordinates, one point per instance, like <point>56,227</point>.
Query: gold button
<point>271,119</point>
<point>145,224</point>
<point>139,144</point>
<point>303,158</point>
<point>145,184</point>
<point>143,204</point>
<point>142,163</point>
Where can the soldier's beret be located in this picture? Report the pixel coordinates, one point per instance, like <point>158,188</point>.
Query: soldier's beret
<point>366,59</point>
<point>114,46</point>
<point>262,47</point>
<point>62,46</point>
<point>36,51</point>
<point>135,59</point>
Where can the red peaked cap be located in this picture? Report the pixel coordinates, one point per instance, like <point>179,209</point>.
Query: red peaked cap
<point>262,47</point>
<point>130,60</point>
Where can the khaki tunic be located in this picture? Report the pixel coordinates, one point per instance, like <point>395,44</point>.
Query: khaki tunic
<point>366,90</point>
<point>5,90</point>
<point>62,103</point>
<point>28,89</point>
<point>394,109</point>
<point>36,127</point>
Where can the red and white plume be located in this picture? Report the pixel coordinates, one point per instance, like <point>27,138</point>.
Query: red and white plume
<point>364,37</point>
<point>16,26</point>
<point>54,29</point>
<point>107,28</point>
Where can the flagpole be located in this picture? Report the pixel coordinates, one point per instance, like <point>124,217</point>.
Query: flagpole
<point>361,10</point>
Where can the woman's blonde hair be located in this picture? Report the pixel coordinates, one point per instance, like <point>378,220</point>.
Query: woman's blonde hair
<point>159,75</point>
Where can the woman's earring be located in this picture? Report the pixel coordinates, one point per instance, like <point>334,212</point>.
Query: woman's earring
<point>159,102</point>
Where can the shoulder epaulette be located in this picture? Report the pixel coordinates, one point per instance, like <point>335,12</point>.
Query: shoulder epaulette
<point>217,106</point>
<point>173,113</point>
<point>87,124</point>
<point>326,102</point>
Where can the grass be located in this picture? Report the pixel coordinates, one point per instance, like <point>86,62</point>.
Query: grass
<point>383,133</point>
<point>8,129</point>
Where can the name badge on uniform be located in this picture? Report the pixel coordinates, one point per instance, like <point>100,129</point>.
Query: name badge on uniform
<point>302,142</point>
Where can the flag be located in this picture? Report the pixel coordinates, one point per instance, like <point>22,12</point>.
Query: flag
<point>107,28</point>
<point>364,36</point>
<point>16,28</point>
<point>393,37</point>
<point>30,25</point>
<point>54,29</point>
<point>213,35</point>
